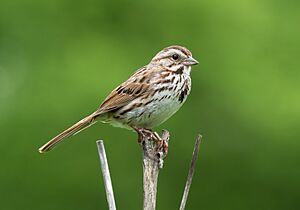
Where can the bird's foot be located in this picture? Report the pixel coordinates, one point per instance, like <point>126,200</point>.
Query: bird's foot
<point>144,133</point>
<point>160,146</point>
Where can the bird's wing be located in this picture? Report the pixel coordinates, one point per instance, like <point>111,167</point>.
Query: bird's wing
<point>136,86</point>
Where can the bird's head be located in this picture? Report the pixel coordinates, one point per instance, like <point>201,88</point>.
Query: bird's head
<point>174,57</point>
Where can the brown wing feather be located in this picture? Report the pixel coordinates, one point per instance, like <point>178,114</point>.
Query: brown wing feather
<point>131,89</point>
<point>122,96</point>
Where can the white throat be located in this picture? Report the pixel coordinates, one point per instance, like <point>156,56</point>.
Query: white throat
<point>187,70</point>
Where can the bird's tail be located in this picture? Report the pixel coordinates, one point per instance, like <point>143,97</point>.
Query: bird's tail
<point>79,126</point>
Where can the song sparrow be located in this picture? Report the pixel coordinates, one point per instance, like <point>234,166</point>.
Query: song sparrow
<point>148,98</point>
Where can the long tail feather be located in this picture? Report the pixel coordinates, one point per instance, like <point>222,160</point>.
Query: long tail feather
<point>79,126</point>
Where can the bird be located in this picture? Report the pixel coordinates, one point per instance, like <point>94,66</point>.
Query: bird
<point>146,99</point>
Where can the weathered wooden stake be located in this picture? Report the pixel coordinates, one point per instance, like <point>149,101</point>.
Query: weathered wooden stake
<point>153,156</point>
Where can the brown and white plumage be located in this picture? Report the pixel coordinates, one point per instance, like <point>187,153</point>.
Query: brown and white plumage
<point>146,99</point>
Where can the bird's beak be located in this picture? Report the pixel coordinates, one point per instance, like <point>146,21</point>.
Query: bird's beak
<point>190,61</point>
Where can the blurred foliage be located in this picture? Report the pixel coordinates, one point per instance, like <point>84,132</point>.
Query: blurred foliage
<point>60,58</point>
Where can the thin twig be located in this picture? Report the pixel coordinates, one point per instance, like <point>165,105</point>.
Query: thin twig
<point>191,172</point>
<point>106,176</point>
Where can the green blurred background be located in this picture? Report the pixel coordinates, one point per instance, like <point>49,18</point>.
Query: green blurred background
<point>60,58</point>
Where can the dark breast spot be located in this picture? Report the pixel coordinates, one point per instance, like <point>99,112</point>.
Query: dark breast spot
<point>183,93</point>
<point>179,70</point>
<point>173,78</point>
<point>181,97</point>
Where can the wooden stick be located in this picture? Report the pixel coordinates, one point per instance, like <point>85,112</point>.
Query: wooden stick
<point>106,176</point>
<point>153,155</point>
<point>191,172</point>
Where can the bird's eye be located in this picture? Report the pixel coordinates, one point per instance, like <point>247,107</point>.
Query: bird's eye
<point>175,57</point>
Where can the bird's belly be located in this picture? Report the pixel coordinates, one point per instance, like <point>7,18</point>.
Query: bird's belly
<point>148,116</point>
<point>153,114</point>
<point>159,112</point>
